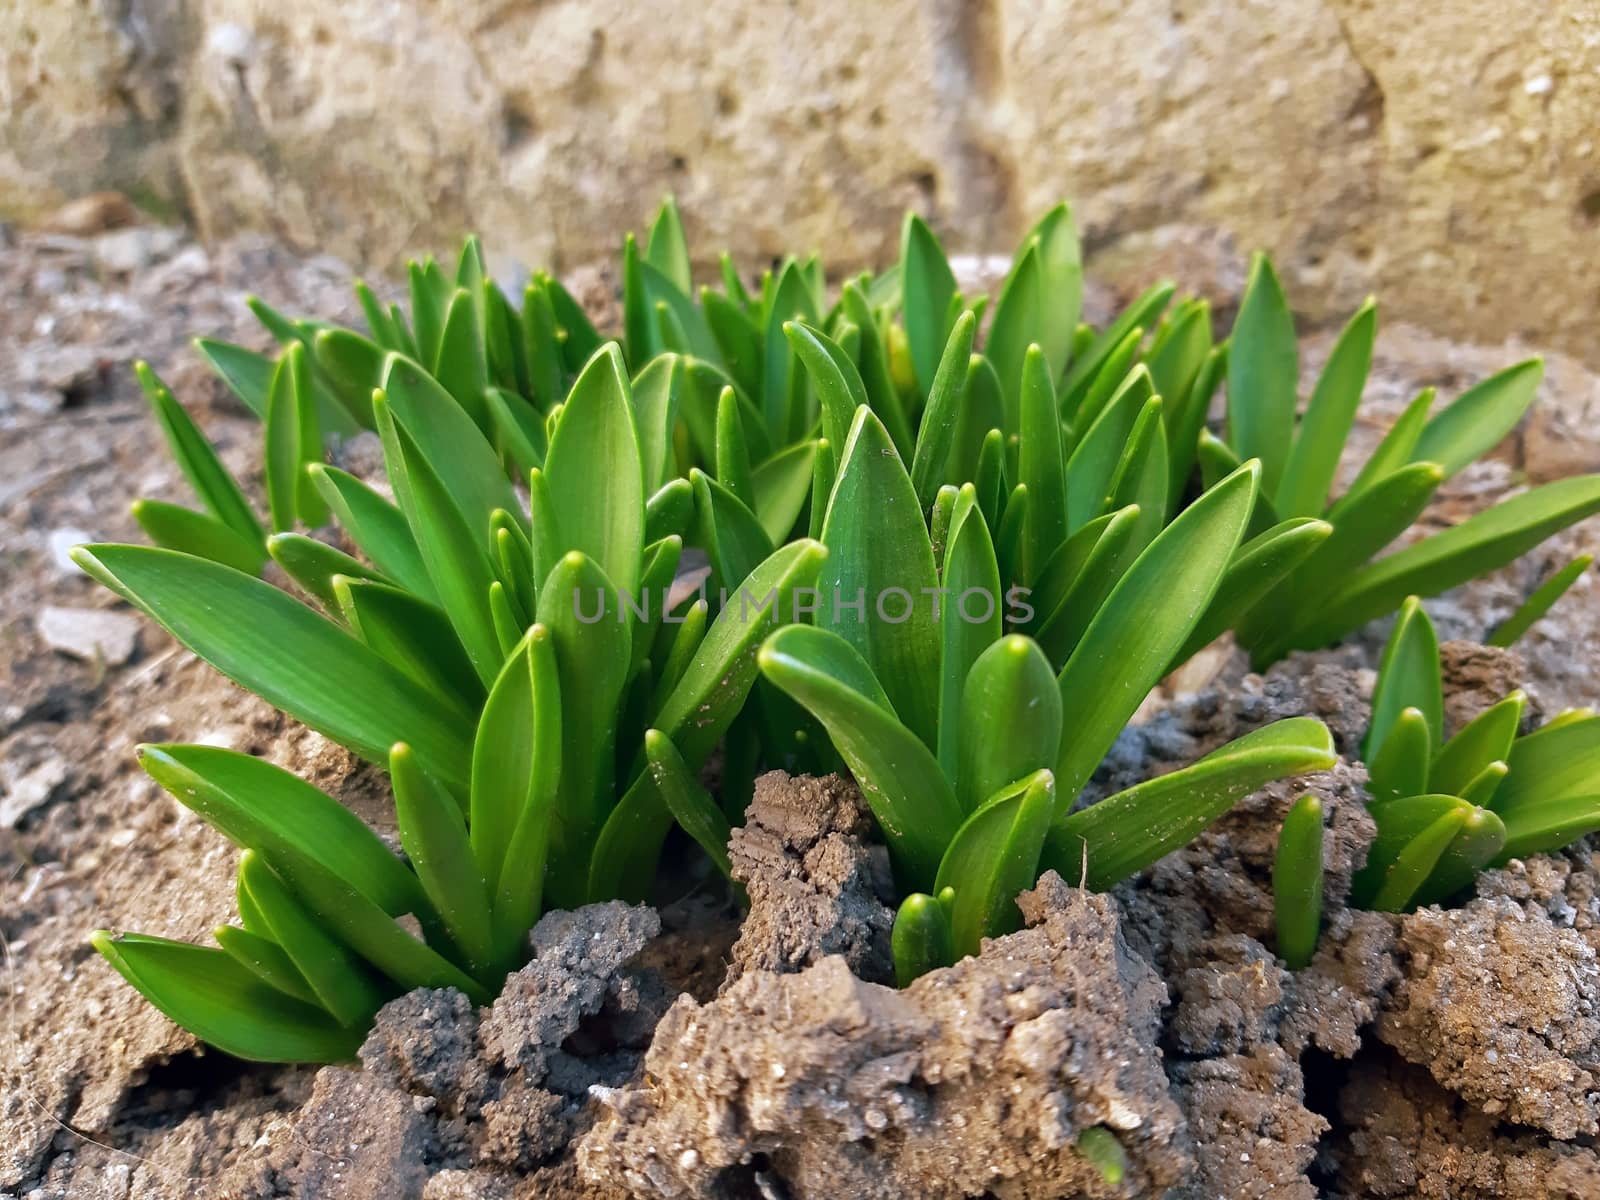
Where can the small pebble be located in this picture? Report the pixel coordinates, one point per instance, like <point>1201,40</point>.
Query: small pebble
<point>90,633</point>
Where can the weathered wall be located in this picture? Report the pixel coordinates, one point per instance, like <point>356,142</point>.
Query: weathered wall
<point>1437,153</point>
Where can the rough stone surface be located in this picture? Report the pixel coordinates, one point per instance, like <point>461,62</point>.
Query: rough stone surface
<point>1442,156</point>
<point>1409,1139</point>
<point>978,1078</point>
<point>817,885</point>
<point>1503,1007</point>
<point>92,634</point>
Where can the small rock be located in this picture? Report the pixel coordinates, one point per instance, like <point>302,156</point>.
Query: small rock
<point>31,791</point>
<point>90,633</point>
<point>128,250</point>
<point>61,542</point>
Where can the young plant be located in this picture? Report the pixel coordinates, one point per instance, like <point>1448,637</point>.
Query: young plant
<point>1445,810</point>
<point>540,704</point>
<point>969,745</point>
<point>1297,882</point>
<point>1343,583</point>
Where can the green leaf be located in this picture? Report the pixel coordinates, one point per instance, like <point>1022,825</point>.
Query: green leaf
<point>541,347</point>
<point>936,438</point>
<point>338,979</point>
<point>1479,544</point>
<point>1480,791</point>
<point>593,647</point>
<point>782,485</point>
<point>1255,570</point>
<point>1297,882</point>
<point>1144,622</point>
<point>669,511</point>
<point>834,379</point>
<point>1123,834</point>
<point>1475,421</point>
<point>458,561</point>
<point>581,340</point>
<point>292,442</point>
<point>266,960</point>
<point>354,363</point>
<point>1329,417</point>
<point>434,835</point>
<point>691,805</point>
<point>927,285</point>
<point>1372,520</point>
<point>1141,474</point>
<point>1095,558</point>
<point>1185,420</point>
<point>780,394</point>
<point>879,553</point>
<point>983,412</point>
<point>1010,720</point>
<point>1092,468</point>
<point>666,249</point>
<point>922,940</point>
<point>1408,677</point>
<point>1117,336</point>
<point>1400,767</point>
<point>1393,452</point>
<point>600,512</point>
<point>913,802</point>
<point>994,856</point>
<point>737,337</point>
<point>877,375</point>
<point>1061,277</point>
<point>1017,323</point>
<point>1263,373</point>
<point>377,527</point>
<point>272,645</point>
<point>656,394</point>
<point>1041,467</point>
<point>1543,827</point>
<point>1179,352</point>
<point>713,688</point>
<point>727,530</point>
<point>224,1003</point>
<point>517,429</point>
<point>1510,631</point>
<point>177,528</point>
<point>294,827</point>
<point>314,565</point>
<point>216,488</point>
<point>413,636</point>
<point>733,456</point>
<point>1557,762</point>
<point>969,621</point>
<point>1413,833</point>
<point>246,373</point>
<point>1486,739</point>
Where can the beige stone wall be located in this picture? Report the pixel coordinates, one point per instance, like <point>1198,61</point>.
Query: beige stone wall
<point>1438,153</point>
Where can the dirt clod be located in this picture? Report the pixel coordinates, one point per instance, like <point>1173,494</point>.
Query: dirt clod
<point>976,1079</point>
<point>817,884</point>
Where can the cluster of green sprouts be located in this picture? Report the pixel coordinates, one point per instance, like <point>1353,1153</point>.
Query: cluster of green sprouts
<point>1445,809</point>
<point>948,545</point>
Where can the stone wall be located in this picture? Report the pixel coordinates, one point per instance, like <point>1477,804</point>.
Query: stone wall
<point>1436,153</point>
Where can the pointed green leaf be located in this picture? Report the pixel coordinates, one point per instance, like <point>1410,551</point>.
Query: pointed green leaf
<point>1297,882</point>
<point>899,776</point>
<point>1041,467</point>
<point>246,373</point>
<point>1556,762</point>
<point>1018,322</point>
<point>1399,768</point>
<point>926,287</point>
<point>781,487</point>
<point>174,527</point>
<point>377,527</point>
<point>1408,677</point>
<point>1549,825</point>
<point>600,512</point>
<point>1329,417</point>
<point>1511,630</point>
<point>922,940</point>
<point>216,488</point>
<point>274,646</point>
<point>266,960</point>
<point>434,835</point>
<point>1010,720</point>
<point>691,805</point>
<point>1146,619</point>
<point>1473,424</point>
<point>666,249</point>
<point>879,553</point>
<point>936,438</point>
<point>969,620</point>
<point>413,636</point>
<point>655,400</point>
<point>224,1003</point>
<point>993,857</point>
<point>1487,738</point>
<point>1393,452</point>
<point>1263,373</point>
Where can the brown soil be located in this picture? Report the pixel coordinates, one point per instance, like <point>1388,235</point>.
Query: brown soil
<point>1441,1055</point>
